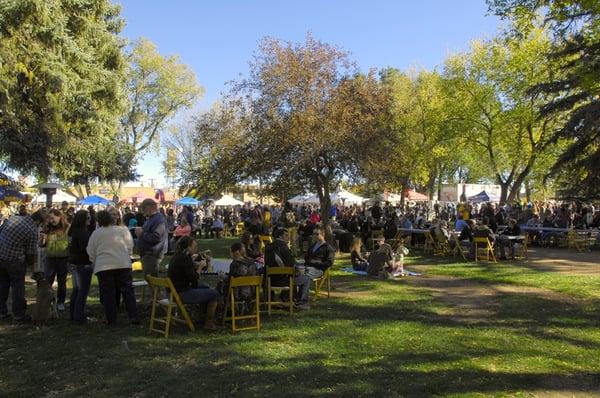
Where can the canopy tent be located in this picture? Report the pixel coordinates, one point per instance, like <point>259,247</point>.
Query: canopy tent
<point>302,199</point>
<point>187,201</point>
<point>227,200</point>
<point>415,196</point>
<point>138,197</point>
<point>58,197</point>
<point>347,198</point>
<point>9,190</point>
<point>93,200</point>
<point>483,197</point>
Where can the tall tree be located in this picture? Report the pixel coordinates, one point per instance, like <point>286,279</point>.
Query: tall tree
<point>158,88</point>
<point>495,107</point>
<point>61,77</point>
<point>576,91</point>
<point>311,117</point>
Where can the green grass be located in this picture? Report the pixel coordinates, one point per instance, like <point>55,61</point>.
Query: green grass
<point>374,338</point>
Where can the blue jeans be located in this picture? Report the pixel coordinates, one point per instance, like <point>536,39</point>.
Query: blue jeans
<point>57,267</point>
<point>201,295</point>
<point>108,282</point>
<point>12,276</point>
<point>82,279</point>
<point>303,281</point>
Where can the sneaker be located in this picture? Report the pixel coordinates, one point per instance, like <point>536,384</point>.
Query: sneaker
<point>304,306</point>
<point>397,274</point>
<point>60,307</point>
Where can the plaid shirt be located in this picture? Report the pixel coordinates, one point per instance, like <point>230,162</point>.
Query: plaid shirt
<point>18,239</point>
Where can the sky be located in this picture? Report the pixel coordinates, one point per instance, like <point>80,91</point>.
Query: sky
<point>218,38</point>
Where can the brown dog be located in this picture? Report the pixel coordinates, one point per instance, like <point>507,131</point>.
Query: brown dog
<point>45,302</point>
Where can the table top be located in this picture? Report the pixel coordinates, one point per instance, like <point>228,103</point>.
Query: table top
<point>414,230</point>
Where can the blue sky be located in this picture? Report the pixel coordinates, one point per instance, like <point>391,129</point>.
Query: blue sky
<point>217,38</point>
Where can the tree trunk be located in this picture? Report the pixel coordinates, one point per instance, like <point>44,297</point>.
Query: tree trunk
<point>503,191</point>
<point>528,192</point>
<point>322,185</point>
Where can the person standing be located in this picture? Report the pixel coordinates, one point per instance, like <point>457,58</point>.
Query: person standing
<point>152,239</point>
<point>19,237</point>
<point>82,274</point>
<point>56,242</point>
<point>109,249</point>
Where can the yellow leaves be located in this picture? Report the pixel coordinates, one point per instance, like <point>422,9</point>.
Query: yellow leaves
<point>22,68</point>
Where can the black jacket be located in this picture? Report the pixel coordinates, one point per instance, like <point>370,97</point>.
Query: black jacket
<point>183,272</point>
<point>280,248</point>
<point>77,246</point>
<point>321,258</point>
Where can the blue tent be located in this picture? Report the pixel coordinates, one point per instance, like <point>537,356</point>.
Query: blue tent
<point>483,197</point>
<point>93,200</point>
<point>187,201</point>
<point>10,194</point>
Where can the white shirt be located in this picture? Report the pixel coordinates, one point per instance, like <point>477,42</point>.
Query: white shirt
<point>110,248</point>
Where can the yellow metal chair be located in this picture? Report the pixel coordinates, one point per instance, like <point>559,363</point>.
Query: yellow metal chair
<point>522,253</point>
<point>239,229</point>
<point>429,247</point>
<point>237,282</point>
<point>458,250</point>
<point>264,239</point>
<point>172,305</point>
<point>323,281</point>
<point>484,249</point>
<point>578,242</point>
<point>278,271</point>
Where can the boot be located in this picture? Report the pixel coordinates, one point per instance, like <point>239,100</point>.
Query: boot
<point>209,320</point>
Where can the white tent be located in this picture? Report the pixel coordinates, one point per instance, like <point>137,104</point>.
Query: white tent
<point>341,197</point>
<point>227,200</point>
<point>347,198</point>
<point>57,198</point>
<point>307,198</point>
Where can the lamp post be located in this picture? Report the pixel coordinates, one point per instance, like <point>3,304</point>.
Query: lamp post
<point>48,189</point>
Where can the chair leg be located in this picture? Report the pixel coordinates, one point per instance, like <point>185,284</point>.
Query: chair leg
<point>257,309</point>
<point>168,324</point>
<point>232,303</point>
<point>328,286</point>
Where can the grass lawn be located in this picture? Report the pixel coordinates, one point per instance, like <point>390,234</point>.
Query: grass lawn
<point>459,330</point>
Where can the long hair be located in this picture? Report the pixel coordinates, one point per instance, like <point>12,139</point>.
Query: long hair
<point>63,225</point>
<point>80,221</point>
<point>356,244</point>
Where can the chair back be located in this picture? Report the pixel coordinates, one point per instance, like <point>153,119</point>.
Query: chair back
<point>159,282</point>
<point>280,271</point>
<point>480,239</point>
<point>239,281</point>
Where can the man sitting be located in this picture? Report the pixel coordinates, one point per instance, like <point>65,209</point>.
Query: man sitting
<point>278,254</point>
<point>503,240</point>
<point>320,255</point>
<point>382,262</point>
<point>217,227</point>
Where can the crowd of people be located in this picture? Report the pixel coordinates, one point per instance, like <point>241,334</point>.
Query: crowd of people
<point>86,242</point>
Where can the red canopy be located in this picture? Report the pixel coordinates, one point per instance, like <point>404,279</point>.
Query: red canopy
<point>415,196</point>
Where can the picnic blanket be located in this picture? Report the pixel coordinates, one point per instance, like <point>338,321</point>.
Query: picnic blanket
<point>364,273</point>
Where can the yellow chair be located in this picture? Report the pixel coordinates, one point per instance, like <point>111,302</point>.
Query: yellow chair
<point>324,280</point>
<point>459,250</point>
<point>429,247</point>
<point>239,229</point>
<point>578,242</point>
<point>264,239</point>
<point>237,282</point>
<point>522,254</point>
<point>173,305</point>
<point>484,249</point>
<point>285,271</point>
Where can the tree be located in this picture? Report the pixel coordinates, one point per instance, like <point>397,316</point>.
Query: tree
<point>61,77</point>
<point>158,88</point>
<point>418,146</point>
<point>494,105</point>
<point>575,91</point>
<point>307,116</point>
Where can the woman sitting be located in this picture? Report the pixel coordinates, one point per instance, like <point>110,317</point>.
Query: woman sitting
<point>184,275</point>
<point>382,262</point>
<point>359,263</point>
